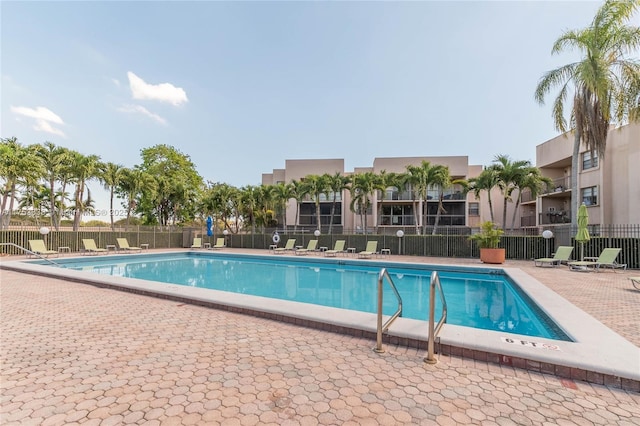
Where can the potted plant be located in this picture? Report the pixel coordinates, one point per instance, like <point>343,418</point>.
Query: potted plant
<point>488,239</point>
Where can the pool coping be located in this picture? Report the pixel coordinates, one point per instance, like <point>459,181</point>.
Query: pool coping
<point>598,354</point>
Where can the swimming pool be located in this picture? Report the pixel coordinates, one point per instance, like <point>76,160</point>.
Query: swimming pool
<point>481,298</point>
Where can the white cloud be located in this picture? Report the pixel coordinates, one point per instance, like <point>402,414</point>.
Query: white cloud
<point>164,92</point>
<point>44,126</point>
<point>138,109</point>
<point>43,117</point>
<point>116,82</point>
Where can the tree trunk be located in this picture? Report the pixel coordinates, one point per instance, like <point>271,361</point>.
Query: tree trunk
<point>5,218</point>
<point>3,213</point>
<point>513,219</point>
<point>284,214</point>
<point>438,213</point>
<point>424,216</point>
<point>504,212</point>
<point>573,209</point>
<point>415,216</point>
<point>62,203</point>
<point>52,203</point>
<point>490,206</point>
<point>76,213</point>
<point>333,212</point>
<point>111,209</point>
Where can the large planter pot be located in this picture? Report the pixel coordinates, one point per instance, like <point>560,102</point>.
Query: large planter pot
<point>492,255</point>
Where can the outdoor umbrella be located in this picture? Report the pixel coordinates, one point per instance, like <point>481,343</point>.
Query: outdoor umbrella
<point>209,225</point>
<point>583,233</point>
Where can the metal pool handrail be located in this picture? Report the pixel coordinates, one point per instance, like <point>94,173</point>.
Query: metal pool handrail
<point>31,253</point>
<point>435,329</point>
<point>384,327</point>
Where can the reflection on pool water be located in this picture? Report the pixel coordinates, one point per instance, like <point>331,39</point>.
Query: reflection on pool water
<point>476,297</point>
<point>479,298</point>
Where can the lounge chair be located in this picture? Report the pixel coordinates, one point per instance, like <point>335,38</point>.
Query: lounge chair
<point>370,250</point>
<point>607,259</point>
<point>291,244</point>
<point>338,248</point>
<point>123,244</point>
<point>310,247</point>
<point>38,247</point>
<point>219,244</point>
<point>90,246</point>
<point>197,243</point>
<point>635,281</point>
<point>563,253</point>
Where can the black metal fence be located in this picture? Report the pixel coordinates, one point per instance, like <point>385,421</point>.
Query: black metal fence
<point>450,241</point>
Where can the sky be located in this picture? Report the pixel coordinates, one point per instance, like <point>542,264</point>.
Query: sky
<point>240,87</point>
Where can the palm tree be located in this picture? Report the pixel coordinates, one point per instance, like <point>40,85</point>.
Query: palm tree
<point>412,179</point>
<point>363,185</point>
<point>315,186</point>
<point>336,184</point>
<point>16,162</point>
<point>111,174</point>
<point>85,168</point>
<point>250,197</point>
<point>421,178</point>
<point>485,181</point>
<point>38,200</point>
<point>509,174</point>
<point>266,205</point>
<point>53,159</point>
<point>30,181</point>
<point>386,180</point>
<point>132,183</point>
<point>532,180</point>
<point>605,82</point>
<point>221,201</point>
<point>298,194</point>
<point>440,178</point>
<point>282,193</point>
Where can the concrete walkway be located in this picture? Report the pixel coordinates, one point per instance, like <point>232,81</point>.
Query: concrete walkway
<point>72,353</point>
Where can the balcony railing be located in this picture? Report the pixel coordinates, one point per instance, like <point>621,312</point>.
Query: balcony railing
<point>559,216</point>
<point>558,185</point>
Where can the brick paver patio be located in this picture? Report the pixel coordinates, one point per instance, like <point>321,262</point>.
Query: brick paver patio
<point>72,353</point>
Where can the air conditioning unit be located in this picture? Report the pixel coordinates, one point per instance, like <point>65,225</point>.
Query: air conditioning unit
<point>551,209</point>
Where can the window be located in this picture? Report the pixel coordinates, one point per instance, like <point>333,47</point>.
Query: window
<point>474,209</point>
<point>308,214</point>
<point>590,195</point>
<point>589,161</point>
<point>401,214</point>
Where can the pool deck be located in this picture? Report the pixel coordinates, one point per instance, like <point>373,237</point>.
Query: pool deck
<point>72,353</point>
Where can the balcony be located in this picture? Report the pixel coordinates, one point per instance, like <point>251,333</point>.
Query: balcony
<point>398,196</point>
<point>555,217</point>
<point>559,188</point>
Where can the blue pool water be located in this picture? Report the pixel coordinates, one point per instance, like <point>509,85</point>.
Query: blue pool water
<point>483,298</point>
